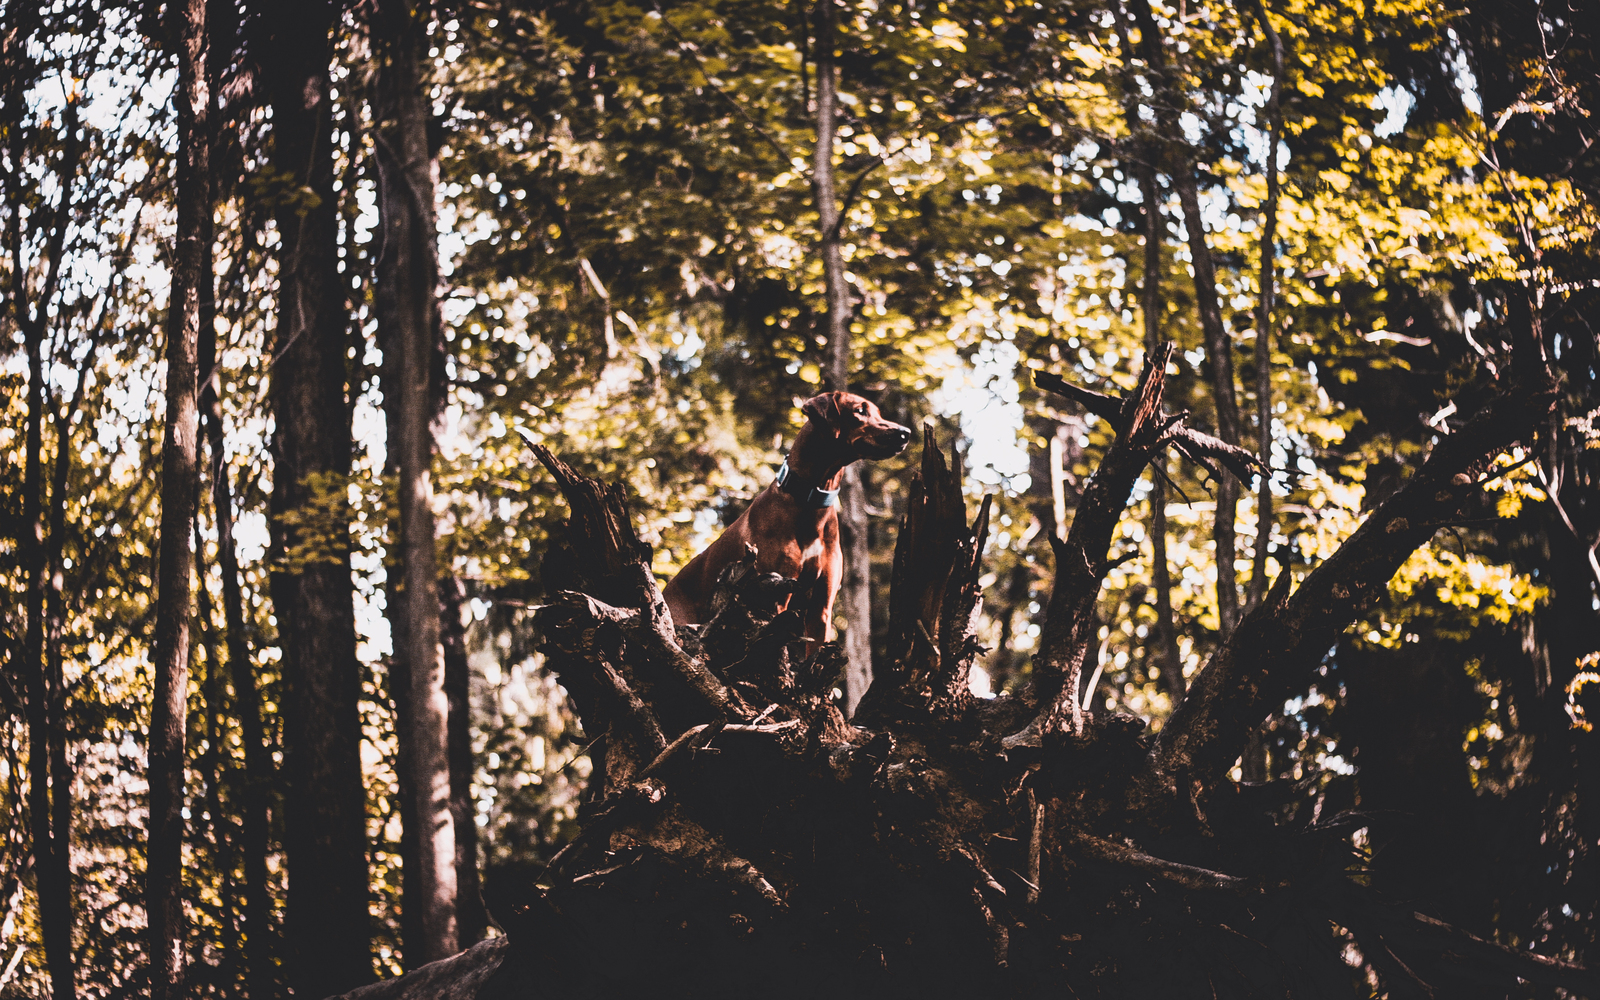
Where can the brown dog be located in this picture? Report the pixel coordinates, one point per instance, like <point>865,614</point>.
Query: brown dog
<point>794,523</point>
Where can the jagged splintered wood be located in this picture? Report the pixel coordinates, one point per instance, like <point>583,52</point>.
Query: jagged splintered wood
<point>935,598</point>
<point>740,836</point>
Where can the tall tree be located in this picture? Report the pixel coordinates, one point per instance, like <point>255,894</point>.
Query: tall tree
<point>855,591</point>
<point>179,485</point>
<point>408,320</point>
<point>1181,167</point>
<point>255,792</point>
<point>252,795</point>
<point>1264,305</point>
<point>471,917</point>
<point>1145,154</point>
<point>49,779</point>
<point>312,593</point>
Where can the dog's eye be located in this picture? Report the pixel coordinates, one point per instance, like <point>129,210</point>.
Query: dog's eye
<point>861,408</point>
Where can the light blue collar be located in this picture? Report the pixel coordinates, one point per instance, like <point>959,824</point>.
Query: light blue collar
<point>816,498</point>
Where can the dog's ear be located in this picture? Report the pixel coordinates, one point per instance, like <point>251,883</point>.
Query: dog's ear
<point>823,410</point>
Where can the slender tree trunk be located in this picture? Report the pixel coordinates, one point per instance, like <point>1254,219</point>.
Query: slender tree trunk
<point>1263,359</point>
<point>405,802</point>
<point>399,674</point>
<point>312,595</point>
<point>49,777</point>
<point>254,835</point>
<point>408,274</point>
<point>211,763</point>
<point>179,488</point>
<point>1168,658</point>
<point>1219,370</point>
<point>61,770</point>
<point>855,591</point>
<point>837,372</point>
<point>1219,351</point>
<point>471,918</point>
<point>50,842</point>
<point>249,842</point>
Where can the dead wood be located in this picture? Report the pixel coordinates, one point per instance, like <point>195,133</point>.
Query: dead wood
<point>742,836</point>
<point>1286,636</point>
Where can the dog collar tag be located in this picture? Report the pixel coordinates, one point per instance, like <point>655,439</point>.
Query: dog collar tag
<point>817,498</point>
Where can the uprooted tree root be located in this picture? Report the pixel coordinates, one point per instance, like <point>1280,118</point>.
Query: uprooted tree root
<point>742,838</point>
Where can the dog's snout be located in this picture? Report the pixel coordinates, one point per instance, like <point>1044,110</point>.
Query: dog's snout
<point>902,434</point>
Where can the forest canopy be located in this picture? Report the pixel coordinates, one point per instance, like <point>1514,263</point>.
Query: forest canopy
<point>331,332</point>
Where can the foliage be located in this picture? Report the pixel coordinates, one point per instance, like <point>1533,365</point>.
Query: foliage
<point>628,232</point>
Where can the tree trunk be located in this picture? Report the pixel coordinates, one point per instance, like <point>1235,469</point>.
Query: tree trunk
<point>50,842</point>
<point>312,594</point>
<point>255,791</point>
<point>49,777</point>
<point>407,276</point>
<point>471,919</point>
<point>179,490</point>
<point>855,590</point>
<point>1168,659</point>
<point>1263,359</point>
<point>1219,349</point>
<point>212,770</point>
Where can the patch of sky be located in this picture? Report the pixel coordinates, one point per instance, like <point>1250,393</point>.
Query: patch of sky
<point>986,399</point>
<point>369,428</point>
<point>1215,206</point>
<point>1397,102</point>
<point>687,344</point>
<point>1190,123</point>
<point>366,220</point>
<point>1466,80</point>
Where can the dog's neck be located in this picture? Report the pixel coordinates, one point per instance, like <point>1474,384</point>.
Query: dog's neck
<point>809,464</point>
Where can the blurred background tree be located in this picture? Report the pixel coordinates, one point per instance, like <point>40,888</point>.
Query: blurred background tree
<point>630,272</point>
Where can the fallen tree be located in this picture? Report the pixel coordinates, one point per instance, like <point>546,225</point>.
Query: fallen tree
<point>742,837</point>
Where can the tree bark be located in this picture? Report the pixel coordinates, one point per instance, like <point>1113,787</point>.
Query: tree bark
<point>407,276</point>
<point>255,791</point>
<point>209,764</point>
<point>50,841</point>
<point>1263,359</point>
<point>472,921</point>
<point>1287,635</point>
<point>312,594</point>
<point>855,590</point>
<point>49,777</point>
<point>1219,349</point>
<point>1168,659</point>
<point>179,490</point>
<point>1142,430</point>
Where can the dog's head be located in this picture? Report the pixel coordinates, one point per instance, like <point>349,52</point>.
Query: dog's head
<point>855,423</point>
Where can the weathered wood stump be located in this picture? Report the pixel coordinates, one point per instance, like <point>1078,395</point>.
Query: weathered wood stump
<point>742,838</point>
